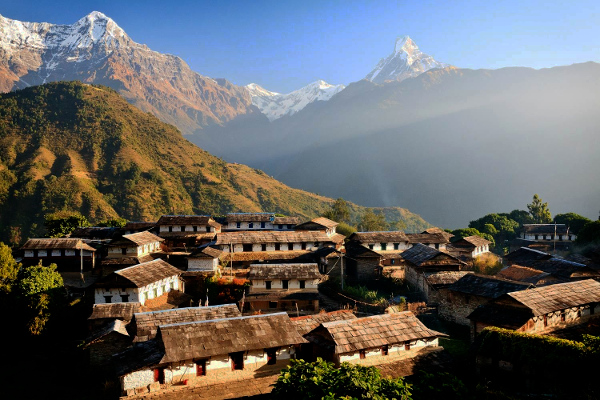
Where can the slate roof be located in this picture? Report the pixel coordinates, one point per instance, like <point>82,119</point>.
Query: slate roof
<point>307,323</point>
<point>525,254</point>
<point>444,278</point>
<point>427,238</point>
<point>371,332</point>
<point>473,241</point>
<point>95,232</point>
<point>355,250</point>
<point>486,286</point>
<point>251,237</point>
<point>447,235</point>
<point>128,261</point>
<point>138,226</point>
<point>284,294</point>
<point>561,229</point>
<point>123,311</point>
<point>139,239</point>
<point>264,255</point>
<point>558,297</point>
<point>145,325</point>
<point>319,221</point>
<point>379,237</point>
<point>286,220</point>
<point>558,267</point>
<point>284,271</point>
<point>114,326</point>
<point>56,243</point>
<point>418,254</point>
<point>206,252</point>
<point>501,315</point>
<point>186,341</point>
<point>250,217</point>
<point>522,274</point>
<point>141,275</point>
<point>140,356</point>
<point>188,220</point>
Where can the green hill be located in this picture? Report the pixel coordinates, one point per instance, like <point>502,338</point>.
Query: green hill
<point>77,147</point>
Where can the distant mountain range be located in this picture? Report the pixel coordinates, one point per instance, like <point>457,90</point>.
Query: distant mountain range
<point>77,147</point>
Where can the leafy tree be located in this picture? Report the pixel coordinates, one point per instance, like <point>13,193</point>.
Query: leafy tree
<point>114,222</point>
<point>575,222</point>
<point>520,216</point>
<point>465,232</point>
<point>345,229</point>
<point>371,222</point>
<point>505,227</point>
<point>321,380</point>
<point>539,211</point>
<point>438,385</point>
<point>339,211</point>
<point>590,233</point>
<point>8,268</point>
<point>62,223</point>
<point>490,229</point>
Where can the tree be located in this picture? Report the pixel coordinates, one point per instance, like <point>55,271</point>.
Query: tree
<point>8,268</point>
<point>321,380</point>
<point>575,222</point>
<point>539,211</point>
<point>465,232</point>
<point>590,233</point>
<point>520,216</point>
<point>345,229</point>
<point>371,222</point>
<point>113,222</point>
<point>339,211</point>
<point>62,223</point>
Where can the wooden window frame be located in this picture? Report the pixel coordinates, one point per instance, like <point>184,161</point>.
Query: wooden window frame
<point>239,356</point>
<point>271,356</point>
<point>362,354</point>
<point>385,350</point>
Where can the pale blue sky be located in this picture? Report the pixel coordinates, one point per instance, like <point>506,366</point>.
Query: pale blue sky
<point>284,45</point>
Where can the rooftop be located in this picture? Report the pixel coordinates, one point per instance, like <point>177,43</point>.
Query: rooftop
<point>284,271</point>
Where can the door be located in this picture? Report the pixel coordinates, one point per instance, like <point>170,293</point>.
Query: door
<point>159,375</point>
<point>201,368</point>
<point>237,360</point>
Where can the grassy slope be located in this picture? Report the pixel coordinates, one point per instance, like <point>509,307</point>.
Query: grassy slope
<point>70,146</point>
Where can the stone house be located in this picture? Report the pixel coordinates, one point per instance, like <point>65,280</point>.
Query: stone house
<point>104,342</point>
<point>560,269</point>
<point>371,340</point>
<point>68,254</point>
<point>364,263</point>
<point>139,244</point>
<point>320,224</point>
<point>144,325</point>
<point>259,221</point>
<point>470,247</point>
<point>437,241</point>
<point>105,313</point>
<point>204,259</point>
<point>527,275</point>
<point>547,232</point>
<point>439,231</point>
<point>187,231</point>
<point>421,259</point>
<point>139,226</point>
<point>307,323</point>
<point>381,241</point>
<point>211,351</point>
<point>524,255</point>
<point>471,291</point>
<point>540,310</point>
<point>283,287</point>
<point>435,284</point>
<point>139,283</point>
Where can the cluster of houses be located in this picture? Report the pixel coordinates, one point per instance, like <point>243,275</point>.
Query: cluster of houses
<point>156,335</point>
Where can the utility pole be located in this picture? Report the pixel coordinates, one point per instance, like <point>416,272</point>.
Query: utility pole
<point>342,268</point>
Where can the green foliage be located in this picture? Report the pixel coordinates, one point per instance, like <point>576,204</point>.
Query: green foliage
<point>8,268</point>
<point>498,226</point>
<point>590,233</point>
<point>371,222</point>
<point>466,232</point>
<point>539,211</point>
<point>575,222</point>
<point>39,279</point>
<point>113,222</point>
<point>345,229</point>
<point>439,385</point>
<point>321,380</point>
<point>339,211</point>
<point>62,223</point>
<point>520,216</point>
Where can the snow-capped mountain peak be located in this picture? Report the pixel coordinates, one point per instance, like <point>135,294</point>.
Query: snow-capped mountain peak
<point>407,61</point>
<point>275,105</point>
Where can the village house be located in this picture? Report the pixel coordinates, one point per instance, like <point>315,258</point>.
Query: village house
<point>211,351</point>
<point>187,231</point>
<point>105,313</point>
<point>433,231</point>
<point>258,221</point>
<point>68,254</point>
<point>381,241</point>
<point>421,259</point>
<point>469,247</point>
<point>283,287</point>
<point>550,270</point>
<point>523,255</point>
<point>140,283</point>
<point>144,325</point>
<point>104,342</point>
<point>435,284</point>
<point>204,258</point>
<point>320,224</point>
<point>371,340</point>
<point>540,310</point>
<point>471,291</point>
<point>527,275</point>
<point>96,234</point>
<point>139,226</point>
<point>363,263</point>
<point>547,232</point>
<point>437,241</point>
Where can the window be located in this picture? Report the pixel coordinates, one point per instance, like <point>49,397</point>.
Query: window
<point>396,246</point>
<point>562,316</point>
<point>289,226</point>
<point>195,228</point>
<point>536,237</point>
<point>545,320</point>
<point>303,246</point>
<point>272,304</point>
<point>392,261</point>
<point>170,229</point>
<point>237,360</point>
<point>406,346</point>
<point>437,246</point>
<point>250,225</point>
<point>207,228</point>
<point>201,368</point>
<point>125,298</point>
<point>362,354</point>
<point>238,225</point>
<point>271,356</point>
<point>159,375</point>
<point>371,246</point>
<point>108,299</point>
<point>262,225</point>
<point>290,246</point>
<point>277,246</point>
<point>383,246</point>
<point>285,283</point>
<point>268,284</point>
<point>263,247</point>
<point>384,350</point>
<point>247,247</point>
<point>182,228</point>
<point>123,250</point>
<point>280,226</point>
<point>302,284</point>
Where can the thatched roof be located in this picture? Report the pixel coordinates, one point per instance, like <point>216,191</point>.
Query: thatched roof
<point>444,278</point>
<point>371,332</point>
<point>57,244</point>
<point>284,271</point>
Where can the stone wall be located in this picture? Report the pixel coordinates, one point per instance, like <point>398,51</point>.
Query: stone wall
<point>455,306</point>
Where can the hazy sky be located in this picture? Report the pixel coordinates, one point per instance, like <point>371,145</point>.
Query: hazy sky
<point>284,45</point>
